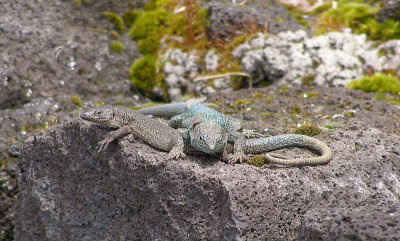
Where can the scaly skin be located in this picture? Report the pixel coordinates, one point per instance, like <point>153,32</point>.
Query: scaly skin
<point>127,122</point>
<point>177,142</point>
<point>209,130</point>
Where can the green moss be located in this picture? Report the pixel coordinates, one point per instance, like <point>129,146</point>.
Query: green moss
<point>295,111</point>
<point>360,17</point>
<point>377,83</point>
<point>143,74</point>
<point>390,100</point>
<point>257,161</point>
<point>114,35</point>
<point>116,20</point>
<point>116,46</point>
<point>307,80</point>
<point>283,89</point>
<point>310,95</point>
<point>77,101</point>
<point>267,113</point>
<point>308,130</point>
<point>99,103</point>
<point>244,102</point>
<point>349,114</point>
<point>258,95</point>
<point>130,17</point>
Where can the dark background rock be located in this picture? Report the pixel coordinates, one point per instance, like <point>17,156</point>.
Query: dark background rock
<point>69,192</point>
<point>228,21</point>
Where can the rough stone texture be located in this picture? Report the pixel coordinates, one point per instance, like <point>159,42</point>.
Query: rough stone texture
<point>227,21</point>
<point>333,59</point>
<point>69,192</point>
<point>364,223</point>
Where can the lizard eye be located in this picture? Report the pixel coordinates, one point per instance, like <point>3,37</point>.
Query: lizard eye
<point>97,112</point>
<point>204,137</point>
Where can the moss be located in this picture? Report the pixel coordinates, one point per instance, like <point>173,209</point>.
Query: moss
<point>257,161</point>
<point>283,89</point>
<point>377,83</point>
<point>114,35</point>
<point>360,17</point>
<point>267,113</point>
<point>258,95</point>
<point>307,80</point>
<point>130,17</point>
<point>116,20</point>
<point>77,101</point>
<point>295,110</point>
<point>308,130</point>
<point>244,102</point>
<point>116,46</point>
<point>329,127</point>
<point>349,114</point>
<point>143,74</point>
<point>99,103</point>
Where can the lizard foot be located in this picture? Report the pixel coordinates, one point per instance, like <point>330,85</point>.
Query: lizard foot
<point>103,144</point>
<point>238,157</point>
<point>176,152</point>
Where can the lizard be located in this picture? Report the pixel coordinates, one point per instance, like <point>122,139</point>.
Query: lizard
<point>166,138</point>
<point>209,131</point>
<point>128,122</point>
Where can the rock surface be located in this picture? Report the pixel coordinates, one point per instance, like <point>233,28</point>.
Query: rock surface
<point>70,192</point>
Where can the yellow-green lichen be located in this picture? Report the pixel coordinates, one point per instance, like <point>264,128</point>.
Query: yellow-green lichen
<point>77,101</point>
<point>307,129</point>
<point>295,110</point>
<point>257,161</point>
<point>267,113</point>
<point>349,114</point>
<point>116,46</point>
<point>377,83</point>
<point>307,80</point>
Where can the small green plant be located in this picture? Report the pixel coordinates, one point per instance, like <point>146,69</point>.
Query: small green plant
<point>116,46</point>
<point>360,17</point>
<point>116,20</point>
<point>130,17</point>
<point>143,73</point>
<point>257,161</point>
<point>77,101</point>
<point>377,83</point>
<point>308,130</point>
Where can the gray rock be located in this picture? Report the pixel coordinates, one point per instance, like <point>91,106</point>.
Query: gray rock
<point>240,50</point>
<point>70,192</point>
<point>211,61</point>
<point>174,94</point>
<point>363,223</point>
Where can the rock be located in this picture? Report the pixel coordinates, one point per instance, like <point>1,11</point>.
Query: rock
<point>364,223</point>
<point>211,61</point>
<point>228,21</point>
<point>333,59</point>
<point>70,192</point>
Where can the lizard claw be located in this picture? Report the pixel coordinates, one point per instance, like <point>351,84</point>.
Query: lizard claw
<point>103,145</point>
<point>238,157</point>
<point>176,152</point>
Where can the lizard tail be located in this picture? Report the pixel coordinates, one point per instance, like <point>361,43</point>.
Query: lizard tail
<point>309,142</point>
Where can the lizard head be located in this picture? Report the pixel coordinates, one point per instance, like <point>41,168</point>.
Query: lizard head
<point>209,138</point>
<point>103,116</point>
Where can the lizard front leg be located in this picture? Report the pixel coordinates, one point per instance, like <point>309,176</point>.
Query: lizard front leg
<point>238,147</point>
<point>112,136</point>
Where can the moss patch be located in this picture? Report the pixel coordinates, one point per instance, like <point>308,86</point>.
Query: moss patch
<point>77,101</point>
<point>116,46</point>
<point>308,130</point>
<point>116,20</point>
<point>257,161</point>
<point>360,17</point>
<point>377,83</point>
<point>143,73</point>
